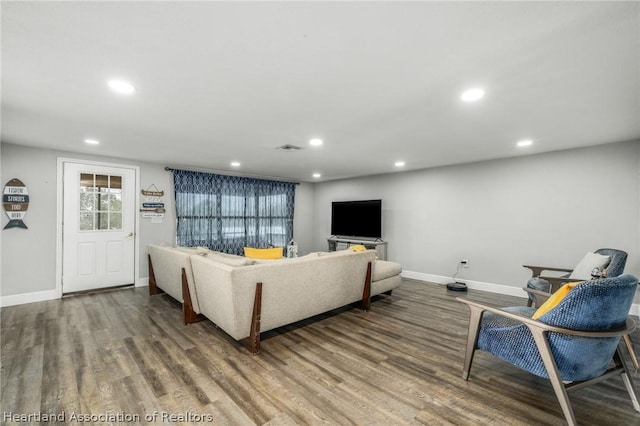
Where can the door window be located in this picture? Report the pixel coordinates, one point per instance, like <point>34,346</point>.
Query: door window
<point>100,202</point>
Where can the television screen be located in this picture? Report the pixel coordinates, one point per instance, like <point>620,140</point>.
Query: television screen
<point>357,218</point>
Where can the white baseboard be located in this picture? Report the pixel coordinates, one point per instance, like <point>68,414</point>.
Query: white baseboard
<point>489,287</point>
<point>42,296</point>
<point>20,299</point>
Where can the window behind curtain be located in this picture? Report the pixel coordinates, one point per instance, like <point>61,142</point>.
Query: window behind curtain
<point>228,213</point>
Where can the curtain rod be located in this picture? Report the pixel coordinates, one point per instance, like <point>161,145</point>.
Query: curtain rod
<point>170,169</point>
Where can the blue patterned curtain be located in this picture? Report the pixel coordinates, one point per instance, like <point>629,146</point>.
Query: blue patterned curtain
<point>228,213</point>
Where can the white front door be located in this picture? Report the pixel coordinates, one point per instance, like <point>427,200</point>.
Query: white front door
<point>98,230</point>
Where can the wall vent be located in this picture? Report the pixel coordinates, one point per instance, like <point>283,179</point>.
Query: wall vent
<point>289,147</point>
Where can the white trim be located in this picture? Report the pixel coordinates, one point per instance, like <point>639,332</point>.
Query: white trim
<point>488,287</point>
<point>59,216</point>
<point>476,285</point>
<point>136,219</point>
<point>142,282</point>
<point>21,299</point>
<point>59,211</point>
<point>421,276</point>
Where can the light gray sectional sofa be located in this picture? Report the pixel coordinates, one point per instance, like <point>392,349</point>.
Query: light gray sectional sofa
<point>170,272</point>
<point>245,297</point>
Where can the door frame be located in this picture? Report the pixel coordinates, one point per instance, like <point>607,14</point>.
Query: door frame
<point>60,216</point>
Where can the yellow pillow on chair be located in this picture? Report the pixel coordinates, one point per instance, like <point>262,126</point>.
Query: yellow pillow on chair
<point>267,253</point>
<point>553,301</point>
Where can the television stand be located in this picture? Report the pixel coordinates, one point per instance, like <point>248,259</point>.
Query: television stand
<point>343,243</point>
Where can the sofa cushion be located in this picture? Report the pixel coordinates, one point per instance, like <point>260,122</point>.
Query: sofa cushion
<point>554,300</point>
<point>589,262</point>
<point>202,251</point>
<point>320,253</point>
<point>266,253</point>
<point>229,259</point>
<point>385,269</point>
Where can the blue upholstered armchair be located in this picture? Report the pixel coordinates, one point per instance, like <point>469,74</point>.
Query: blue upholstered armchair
<point>539,287</point>
<point>572,345</point>
<point>549,284</point>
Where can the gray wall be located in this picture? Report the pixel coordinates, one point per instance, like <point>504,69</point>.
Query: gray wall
<point>547,209</point>
<point>28,261</point>
<point>28,256</point>
<point>304,218</point>
<point>542,209</point>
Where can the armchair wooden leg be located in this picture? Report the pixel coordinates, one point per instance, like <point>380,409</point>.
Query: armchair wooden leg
<point>554,375</point>
<point>628,384</point>
<point>475,316</point>
<point>632,353</point>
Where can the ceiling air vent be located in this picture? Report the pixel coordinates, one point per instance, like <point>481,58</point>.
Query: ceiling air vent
<point>289,147</point>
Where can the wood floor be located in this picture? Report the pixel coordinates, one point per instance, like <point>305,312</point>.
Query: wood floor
<point>127,355</point>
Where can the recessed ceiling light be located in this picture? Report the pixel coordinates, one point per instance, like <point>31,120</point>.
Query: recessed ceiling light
<point>121,86</point>
<point>315,142</point>
<point>525,142</point>
<point>316,175</point>
<point>472,95</point>
<point>235,164</point>
<point>399,164</point>
<point>92,142</point>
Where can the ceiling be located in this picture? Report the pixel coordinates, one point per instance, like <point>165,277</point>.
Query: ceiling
<point>378,82</point>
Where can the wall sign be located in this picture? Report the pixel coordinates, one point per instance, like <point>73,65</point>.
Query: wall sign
<point>15,199</point>
<point>152,204</point>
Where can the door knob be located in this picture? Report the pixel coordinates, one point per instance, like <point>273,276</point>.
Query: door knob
<point>131,234</point>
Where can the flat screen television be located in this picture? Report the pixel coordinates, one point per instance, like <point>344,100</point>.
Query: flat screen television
<point>357,218</point>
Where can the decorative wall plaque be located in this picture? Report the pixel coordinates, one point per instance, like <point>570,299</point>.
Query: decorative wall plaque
<point>152,204</point>
<point>15,199</point>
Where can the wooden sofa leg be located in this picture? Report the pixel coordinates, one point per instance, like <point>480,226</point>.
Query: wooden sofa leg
<point>153,287</point>
<point>189,314</point>
<point>253,341</point>
<point>366,293</point>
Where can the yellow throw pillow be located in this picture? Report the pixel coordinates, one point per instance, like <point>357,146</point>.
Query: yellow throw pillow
<point>357,248</point>
<point>268,253</point>
<point>553,301</point>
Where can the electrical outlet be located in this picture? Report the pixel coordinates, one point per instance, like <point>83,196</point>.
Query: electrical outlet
<point>465,263</point>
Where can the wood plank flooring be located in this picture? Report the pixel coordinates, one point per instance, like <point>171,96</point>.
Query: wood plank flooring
<point>126,355</point>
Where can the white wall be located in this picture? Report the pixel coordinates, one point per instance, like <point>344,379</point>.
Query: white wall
<point>28,262</point>
<point>547,209</point>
